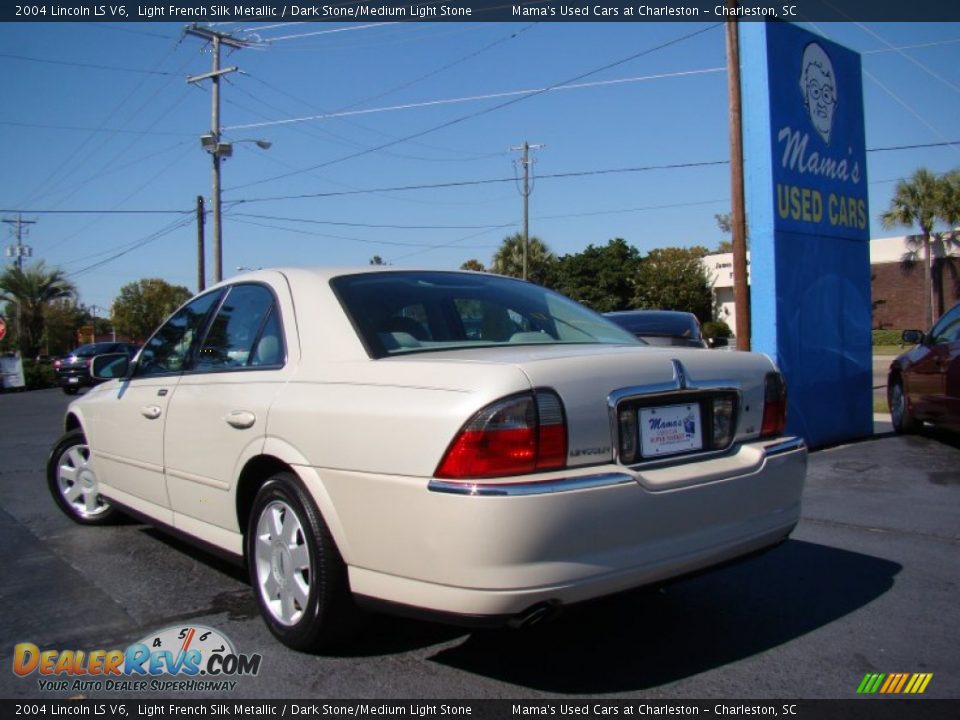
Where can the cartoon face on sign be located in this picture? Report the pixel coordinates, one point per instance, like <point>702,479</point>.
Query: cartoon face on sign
<point>818,85</point>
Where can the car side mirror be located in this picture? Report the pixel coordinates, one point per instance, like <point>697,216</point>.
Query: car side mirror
<point>110,366</point>
<point>912,337</point>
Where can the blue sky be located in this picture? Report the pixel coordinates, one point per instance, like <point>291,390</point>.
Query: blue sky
<point>108,122</point>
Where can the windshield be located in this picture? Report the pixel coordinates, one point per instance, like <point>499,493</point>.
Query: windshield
<point>668,324</point>
<point>401,312</point>
<point>91,350</point>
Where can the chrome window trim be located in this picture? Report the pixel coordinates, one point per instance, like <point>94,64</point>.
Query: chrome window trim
<point>546,487</point>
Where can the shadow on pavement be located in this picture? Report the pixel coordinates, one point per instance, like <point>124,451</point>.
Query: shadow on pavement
<point>647,638</point>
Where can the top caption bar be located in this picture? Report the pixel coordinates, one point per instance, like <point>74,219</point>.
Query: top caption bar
<point>486,11</point>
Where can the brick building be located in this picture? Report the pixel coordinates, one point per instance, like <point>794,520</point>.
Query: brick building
<point>896,286</point>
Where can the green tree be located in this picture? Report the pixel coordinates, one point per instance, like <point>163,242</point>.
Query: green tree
<point>675,279</point>
<point>508,259</point>
<point>141,306</point>
<point>30,290</point>
<point>474,264</point>
<point>377,260</point>
<point>921,201</point>
<point>62,319</point>
<point>602,278</point>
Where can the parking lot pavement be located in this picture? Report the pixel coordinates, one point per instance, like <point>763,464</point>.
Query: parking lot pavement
<point>867,583</point>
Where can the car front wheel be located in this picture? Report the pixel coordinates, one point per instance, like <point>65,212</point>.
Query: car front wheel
<point>903,420</point>
<point>73,482</point>
<point>296,569</point>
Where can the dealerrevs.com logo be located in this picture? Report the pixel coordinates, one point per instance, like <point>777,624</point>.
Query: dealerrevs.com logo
<point>178,658</point>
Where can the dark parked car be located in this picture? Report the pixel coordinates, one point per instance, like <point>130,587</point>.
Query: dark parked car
<point>661,327</point>
<point>924,383</point>
<point>73,370</point>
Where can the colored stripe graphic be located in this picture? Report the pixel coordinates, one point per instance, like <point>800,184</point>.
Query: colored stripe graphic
<point>894,683</point>
<point>870,684</point>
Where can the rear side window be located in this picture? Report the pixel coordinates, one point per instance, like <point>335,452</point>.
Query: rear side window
<point>245,332</point>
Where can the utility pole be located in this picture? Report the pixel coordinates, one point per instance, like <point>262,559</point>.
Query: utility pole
<point>738,216</point>
<point>211,143</point>
<point>201,248</point>
<point>525,161</point>
<point>19,251</point>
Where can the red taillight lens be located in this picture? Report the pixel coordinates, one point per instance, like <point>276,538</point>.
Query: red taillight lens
<point>515,436</point>
<point>774,406</point>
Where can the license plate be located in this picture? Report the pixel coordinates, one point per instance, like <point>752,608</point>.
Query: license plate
<point>73,381</point>
<point>670,430</point>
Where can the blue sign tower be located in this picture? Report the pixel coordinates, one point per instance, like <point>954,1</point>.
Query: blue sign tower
<point>806,193</point>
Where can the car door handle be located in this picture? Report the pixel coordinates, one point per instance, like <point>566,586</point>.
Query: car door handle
<point>241,419</point>
<point>151,412</point>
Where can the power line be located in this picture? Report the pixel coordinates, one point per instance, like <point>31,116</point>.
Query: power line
<point>92,66</point>
<point>374,225</point>
<point>367,241</point>
<point>339,114</point>
<point>485,111</point>
<point>350,28</point>
<point>114,131</point>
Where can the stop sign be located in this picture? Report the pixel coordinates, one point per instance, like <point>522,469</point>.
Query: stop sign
<point>3,328</point>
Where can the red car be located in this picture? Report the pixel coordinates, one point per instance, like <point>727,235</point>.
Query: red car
<point>924,384</point>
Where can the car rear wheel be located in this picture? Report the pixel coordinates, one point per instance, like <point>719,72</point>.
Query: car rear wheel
<point>903,420</point>
<point>73,482</point>
<point>296,569</point>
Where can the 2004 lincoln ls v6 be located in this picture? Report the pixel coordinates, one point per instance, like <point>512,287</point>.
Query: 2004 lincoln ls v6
<point>464,445</point>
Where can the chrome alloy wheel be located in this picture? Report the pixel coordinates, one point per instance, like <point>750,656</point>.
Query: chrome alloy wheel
<point>282,560</point>
<point>77,483</point>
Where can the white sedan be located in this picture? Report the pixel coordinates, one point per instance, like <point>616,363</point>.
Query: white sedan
<point>462,445</point>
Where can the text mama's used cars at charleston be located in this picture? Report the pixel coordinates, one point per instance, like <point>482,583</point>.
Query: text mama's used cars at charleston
<point>462,445</point>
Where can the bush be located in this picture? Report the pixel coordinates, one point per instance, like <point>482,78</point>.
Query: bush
<point>37,376</point>
<point>887,337</point>
<point>716,329</point>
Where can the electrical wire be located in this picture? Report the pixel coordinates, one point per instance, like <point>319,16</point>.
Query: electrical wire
<point>485,111</point>
<point>339,114</point>
<point>90,66</point>
<point>374,225</point>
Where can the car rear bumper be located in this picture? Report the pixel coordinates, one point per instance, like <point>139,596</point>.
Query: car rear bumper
<point>594,532</point>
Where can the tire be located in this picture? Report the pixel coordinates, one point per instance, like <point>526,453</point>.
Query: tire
<point>73,482</point>
<point>900,415</point>
<point>296,570</point>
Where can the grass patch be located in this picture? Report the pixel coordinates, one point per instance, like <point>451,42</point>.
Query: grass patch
<point>888,349</point>
<point>880,405</point>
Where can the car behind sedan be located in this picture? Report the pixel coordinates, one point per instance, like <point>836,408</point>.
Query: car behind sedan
<point>661,327</point>
<point>73,369</point>
<point>466,446</point>
<point>923,384</point>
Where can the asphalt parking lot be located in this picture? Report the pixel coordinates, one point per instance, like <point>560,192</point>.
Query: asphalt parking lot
<point>867,583</point>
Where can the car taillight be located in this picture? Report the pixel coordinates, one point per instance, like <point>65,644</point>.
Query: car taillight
<point>56,364</point>
<point>774,405</point>
<point>515,436</point>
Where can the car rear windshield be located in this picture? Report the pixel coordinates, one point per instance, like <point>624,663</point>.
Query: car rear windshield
<point>91,350</point>
<point>678,325</point>
<point>403,312</point>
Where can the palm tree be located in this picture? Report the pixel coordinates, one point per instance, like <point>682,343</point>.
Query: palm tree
<point>31,290</point>
<point>508,259</point>
<point>918,202</point>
